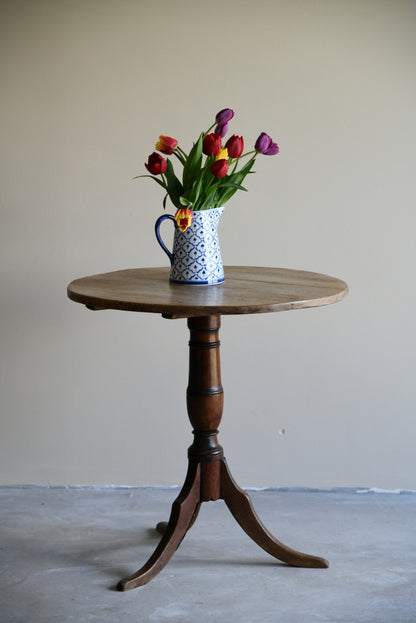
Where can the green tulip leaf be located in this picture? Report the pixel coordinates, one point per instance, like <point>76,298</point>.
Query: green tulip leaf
<point>192,167</point>
<point>232,182</point>
<point>236,186</point>
<point>174,188</point>
<point>184,201</point>
<point>152,178</point>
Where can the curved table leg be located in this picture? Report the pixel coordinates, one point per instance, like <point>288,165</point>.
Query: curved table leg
<point>162,526</point>
<point>239,503</point>
<point>183,514</point>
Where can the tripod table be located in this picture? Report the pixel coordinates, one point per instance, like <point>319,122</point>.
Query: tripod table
<point>246,290</point>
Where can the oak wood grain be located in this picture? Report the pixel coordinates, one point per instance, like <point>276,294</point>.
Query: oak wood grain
<point>246,290</point>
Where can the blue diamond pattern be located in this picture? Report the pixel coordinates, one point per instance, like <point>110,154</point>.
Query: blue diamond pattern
<point>196,251</point>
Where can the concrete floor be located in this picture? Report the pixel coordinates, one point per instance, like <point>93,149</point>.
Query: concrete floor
<point>63,550</point>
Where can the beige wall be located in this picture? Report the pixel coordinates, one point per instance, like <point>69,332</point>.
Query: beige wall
<point>86,88</point>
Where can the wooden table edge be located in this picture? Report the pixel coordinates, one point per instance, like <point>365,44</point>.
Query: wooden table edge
<point>188,309</point>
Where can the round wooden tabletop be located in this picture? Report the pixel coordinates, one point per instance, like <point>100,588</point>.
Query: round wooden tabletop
<point>246,290</point>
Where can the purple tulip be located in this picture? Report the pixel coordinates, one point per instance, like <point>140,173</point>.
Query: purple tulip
<point>224,116</point>
<point>264,145</point>
<point>221,129</point>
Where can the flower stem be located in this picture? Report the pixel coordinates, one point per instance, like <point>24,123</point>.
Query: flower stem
<point>180,157</point>
<point>182,152</point>
<point>210,128</point>
<point>248,153</point>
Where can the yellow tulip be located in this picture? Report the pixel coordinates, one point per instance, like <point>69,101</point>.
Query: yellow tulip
<point>183,218</point>
<point>223,155</point>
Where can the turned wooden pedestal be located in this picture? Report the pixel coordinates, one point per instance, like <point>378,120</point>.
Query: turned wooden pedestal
<point>208,475</point>
<point>246,290</point>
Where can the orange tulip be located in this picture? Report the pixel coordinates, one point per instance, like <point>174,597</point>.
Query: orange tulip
<point>166,144</point>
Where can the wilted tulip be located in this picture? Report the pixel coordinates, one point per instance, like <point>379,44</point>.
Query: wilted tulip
<point>211,145</point>
<point>166,144</point>
<point>235,146</point>
<point>219,168</point>
<point>183,218</point>
<point>264,145</point>
<point>156,164</point>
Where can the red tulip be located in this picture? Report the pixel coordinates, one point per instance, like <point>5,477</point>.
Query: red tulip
<point>156,164</point>
<point>235,146</point>
<point>219,168</point>
<point>166,144</point>
<point>211,145</point>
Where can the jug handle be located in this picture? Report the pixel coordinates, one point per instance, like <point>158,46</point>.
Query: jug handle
<point>158,236</point>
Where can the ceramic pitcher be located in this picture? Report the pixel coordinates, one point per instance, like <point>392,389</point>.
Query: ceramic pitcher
<point>196,257</point>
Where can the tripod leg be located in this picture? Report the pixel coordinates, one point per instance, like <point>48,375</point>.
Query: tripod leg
<point>182,515</point>
<point>239,503</point>
<point>162,526</point>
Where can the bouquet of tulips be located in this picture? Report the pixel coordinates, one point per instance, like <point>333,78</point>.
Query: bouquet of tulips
<point>205,182</point>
